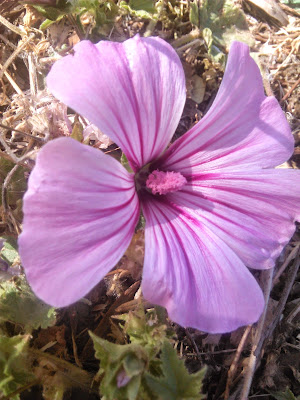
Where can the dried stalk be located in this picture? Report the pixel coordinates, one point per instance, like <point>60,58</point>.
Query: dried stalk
<point>12,27</point>
<point>14,54</point>
<point>267,277</point>
<point>194,344</point>
<point>40,140</point>
<point>32,75</point>
<point>235,361</point>
<point>285,294</point>
<point>12,82</point>
<point>289,92</point>
<point>290,257</point>
<point>5,204</point>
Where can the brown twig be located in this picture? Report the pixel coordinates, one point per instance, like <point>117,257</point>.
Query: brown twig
<point>191,339</point>
<point>8,42</point>
<point>12,27</point>
<point>5,204</point>
<point>15,53</point>
<point>235,361</point>
<point>23,133</point>
<point>260,339</point>
<point>289,92</point>
<point>12,82</point>
<point>4,187</point>
<point>267,278</point>
<point>32,75</point>
<point>73,329</point>
<point>290,257</point>
<point>103,325</point>
<point>285,294</point>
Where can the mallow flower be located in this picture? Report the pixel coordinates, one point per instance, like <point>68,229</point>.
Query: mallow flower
<point>213,202</point>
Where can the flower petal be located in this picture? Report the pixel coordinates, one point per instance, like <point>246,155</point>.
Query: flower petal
<point>252,212</point>
<point>134,92</point>
<point>242,127</point>
<point>80,212</point>
<point>194,274</point>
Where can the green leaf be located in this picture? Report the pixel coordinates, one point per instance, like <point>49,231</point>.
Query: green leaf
<point>62,8</point>
<point>9,252</point>
<point>286,395</point>
<point>146,329</point>
<point>14,364</point>
<point>177,383</point>
<point>221,22</point>
<point>194,13</point>
<point>208,37</point>
<point>122,367</point>
<point>17,185</point>
<point>138,13</point>
<point>19,305</point>
<point>125,163</point>
<point>145,5</point>
<point>45,24</point>
<point>77,132</point>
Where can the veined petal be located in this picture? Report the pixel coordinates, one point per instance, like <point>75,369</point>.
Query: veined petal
<point>80,211</point>
<point>194,274</point>
<point>242,127</point>
<point>252,212</point>
<point>134,92</point>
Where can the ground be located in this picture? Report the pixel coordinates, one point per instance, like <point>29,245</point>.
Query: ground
<point>46,353</point>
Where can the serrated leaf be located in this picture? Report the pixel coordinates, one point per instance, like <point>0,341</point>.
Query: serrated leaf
<point>146,330</point>
<point>14,364</point>
<point>226,22</point>
<point>122,367</point>
<point>19,305</point>
<point>177,383</point>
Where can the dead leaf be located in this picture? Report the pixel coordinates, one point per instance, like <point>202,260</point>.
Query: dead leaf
<point>198,89</point>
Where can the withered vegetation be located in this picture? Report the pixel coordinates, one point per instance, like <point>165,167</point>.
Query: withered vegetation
<point>262,359</point>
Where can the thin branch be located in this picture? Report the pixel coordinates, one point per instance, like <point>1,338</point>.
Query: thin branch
<point>15,53</point>
<point>32,75</point>
<point>289,92</point>
<point>12,82</point>
<point>5,204</point>
<point>191,339</point>
<point>285,294</point>
<point>8,42</point>
<point>267,277</point>
<point>290,257</point>
<point>40,140</point>
<point>235,361</point>
<point>12,27</point>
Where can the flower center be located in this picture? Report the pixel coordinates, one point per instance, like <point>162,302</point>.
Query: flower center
<point>165,182</point>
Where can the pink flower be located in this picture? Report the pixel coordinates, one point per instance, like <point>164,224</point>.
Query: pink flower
<point>222,205</point>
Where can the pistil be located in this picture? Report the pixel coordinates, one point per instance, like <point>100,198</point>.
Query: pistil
<point>160,182</point>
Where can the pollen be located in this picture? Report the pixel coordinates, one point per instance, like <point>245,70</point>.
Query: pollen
<point>165,182</point>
